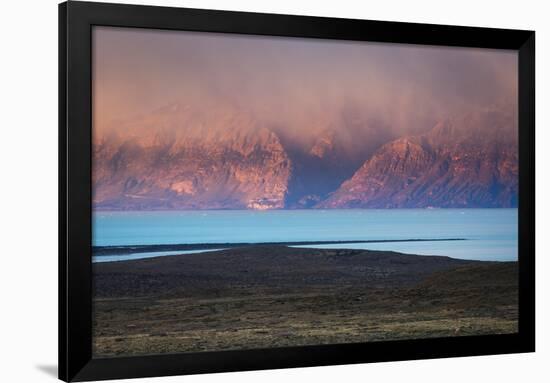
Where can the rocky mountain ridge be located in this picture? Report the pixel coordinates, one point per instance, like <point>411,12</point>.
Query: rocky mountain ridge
<point>244,167</point>
<point>178,158</point>
<point>463,162</point>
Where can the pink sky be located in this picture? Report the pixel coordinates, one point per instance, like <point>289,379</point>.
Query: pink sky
<point>292,84</point>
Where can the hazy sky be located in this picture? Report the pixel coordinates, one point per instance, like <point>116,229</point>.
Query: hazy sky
<point>292,83</point>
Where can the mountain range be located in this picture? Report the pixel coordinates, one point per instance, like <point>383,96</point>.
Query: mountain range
<point>226,158</point>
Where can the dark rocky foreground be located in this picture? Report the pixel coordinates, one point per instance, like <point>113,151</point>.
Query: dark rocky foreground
<point>271,296</point>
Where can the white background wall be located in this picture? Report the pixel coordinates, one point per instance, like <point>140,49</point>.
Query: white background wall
<point>28,189</point>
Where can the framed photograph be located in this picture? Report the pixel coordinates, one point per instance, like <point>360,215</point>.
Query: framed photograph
<point>245,191</point>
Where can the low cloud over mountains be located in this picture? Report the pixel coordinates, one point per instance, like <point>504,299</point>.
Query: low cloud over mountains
<point>226,159</point>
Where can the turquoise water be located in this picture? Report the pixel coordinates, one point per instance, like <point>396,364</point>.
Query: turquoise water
<point>491,233</point>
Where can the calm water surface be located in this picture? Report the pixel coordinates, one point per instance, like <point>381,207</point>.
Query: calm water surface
<point>491,233</point>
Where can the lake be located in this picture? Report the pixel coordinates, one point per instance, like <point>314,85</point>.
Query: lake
<point>491,234</point>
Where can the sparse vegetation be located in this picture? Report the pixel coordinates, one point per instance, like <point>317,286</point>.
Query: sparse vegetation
<point>275,296</point>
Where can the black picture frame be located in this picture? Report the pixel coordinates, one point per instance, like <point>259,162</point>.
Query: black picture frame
<point>76,20</point>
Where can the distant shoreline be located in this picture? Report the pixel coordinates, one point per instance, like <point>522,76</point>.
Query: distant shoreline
<point>133,249</point>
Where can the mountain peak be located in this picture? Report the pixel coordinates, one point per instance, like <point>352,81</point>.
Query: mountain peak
<point>185,161</point>
<point>458,163</point>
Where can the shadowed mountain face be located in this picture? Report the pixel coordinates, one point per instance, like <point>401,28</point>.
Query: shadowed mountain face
<point>225,158</point>
<point>332,156</point>
<point>463,162</point>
